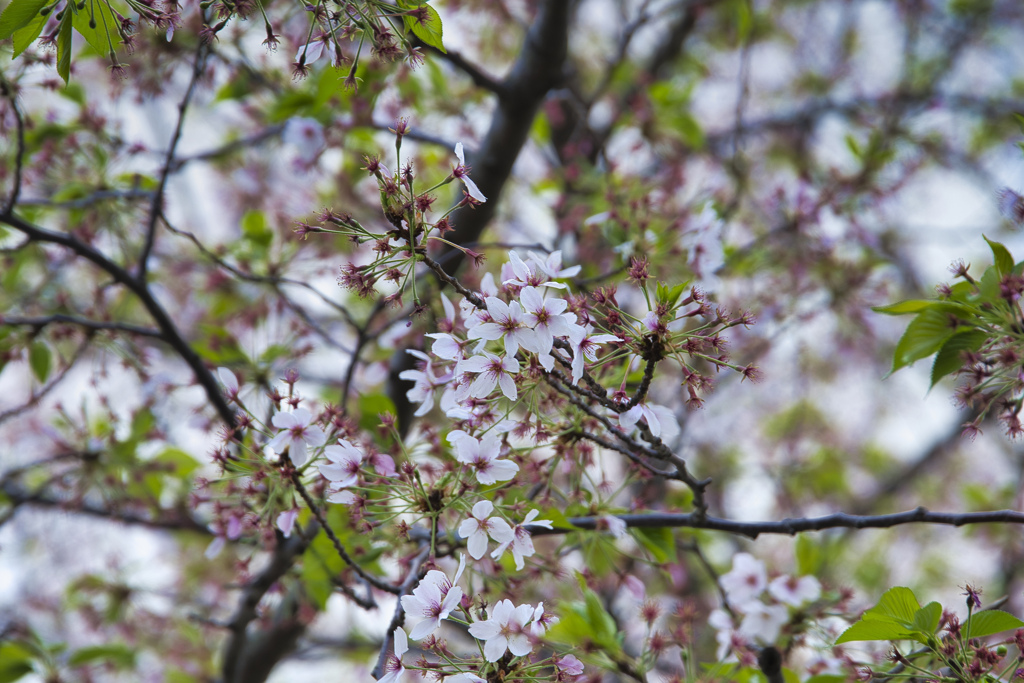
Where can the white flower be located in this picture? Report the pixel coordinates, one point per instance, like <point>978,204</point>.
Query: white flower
<point>230,382</point>
<point>342,470</point>
<point>482,456</point>
<point>541,621</point>
<point>547,320</point>
<point>616,527</point>
<point>745,583</point>
<point>521,543</point>
<point>527,275</point>
<point>478,527</point>
<point>425,383</point>
<point>507,321</point>
<point>433,600</point>
<point>552,265</point>
<point>296,433</point>
<point>794,591</point>
<point>393,666</point>
<point>584,345</point>
<point>660,420</point>
<point>505,630</point>
<point>725,631</point>
<point>492,371</point>
<point>462,173</point>
<point>464,677</point>
<point>305,135</point>
<point>762,622</point>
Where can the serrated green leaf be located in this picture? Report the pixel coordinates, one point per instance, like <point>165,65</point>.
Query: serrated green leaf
<point>97,24</point>
<point>926,334</point>
<point>659,541</point>
<point>64,47</point>
<point>990,621</point>
<point>897,604</point>
<point>17,15</point>
<point>27,34</point>
<point>926,619</point>
<point>948,360</point>
<point>1004,261</point>
<point>40,360</point>
<point>874,630</point>
<point>905,307</point>
<point>427,28</point>
<point>120,656</point>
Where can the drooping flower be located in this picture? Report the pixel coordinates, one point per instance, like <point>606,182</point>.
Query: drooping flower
<point>660,420</point>
<point>433,599</point>
<point>745,583</point>
<point>505,630</point>
<point>230,382</point>
<point>462,173</point>
<point>296,434</point>
<point>584,345</point>
<point>521,544</point>
<point>479,526</point>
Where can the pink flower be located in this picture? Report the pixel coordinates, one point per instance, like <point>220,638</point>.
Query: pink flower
<point>570,665</point>
<point>296,434</point>
<point>230,382</point>
<point>286,521</point>
<point>478,527</point>
<point>342,468</point>
<point>660,420</point>
<point>584,345</point>
<point>504,631</point>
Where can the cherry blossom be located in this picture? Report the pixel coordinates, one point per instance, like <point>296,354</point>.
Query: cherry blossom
<point>286,521</point>
<point>660,420</point>
<point>342,468</point>
<point>745,583</point>
<point>504,631</point>
<point>526,275</point>
<point>230,382</point>
<point>794,591</point>
<point>433,599</point>
<point>462,173</point>
<point>393,666</point>
<point>521,544</point>
<point>296,434</point>
<point>762,622</point>
<point>570,665</point>
<point>541,621</point>
<point>552,265</point>
<point>508,323</point>
<point>478,527</point>
<point>584,345</point>
<point>483,457</point>
<point>546,318</point>
<point>425,382</point>
<point>464,677</point>
<point>493,371</point>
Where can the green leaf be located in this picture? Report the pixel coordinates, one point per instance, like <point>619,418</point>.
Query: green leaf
<point>27,34</point>
<point>808,555</point>
<point>428,29</point>
<point>897,604</point>
<point>948,359</point>
<point>19,14</point>
<point>990,621</point>
<point>64,47</point>
<point>15,662</point>
<point>120,656</point>
<point>97,24</point>
<point>181,463</point>
<point>689,129</point>
<point>905,307</point>
<point>659,541</point>
<point>926,334</point>
<point>254,228</point>
<point>40,360</point>
<point>1004,261</point>
<point>874,630</point>
<point>926,619</point>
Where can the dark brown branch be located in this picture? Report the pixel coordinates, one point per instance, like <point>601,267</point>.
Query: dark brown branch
<point>158,198</point>
<point>476,74</point>
<point>40,322</point>
<point>7,91</point>
<point>170,332</point>
<point>793,526</point>
<point>416,572</point>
